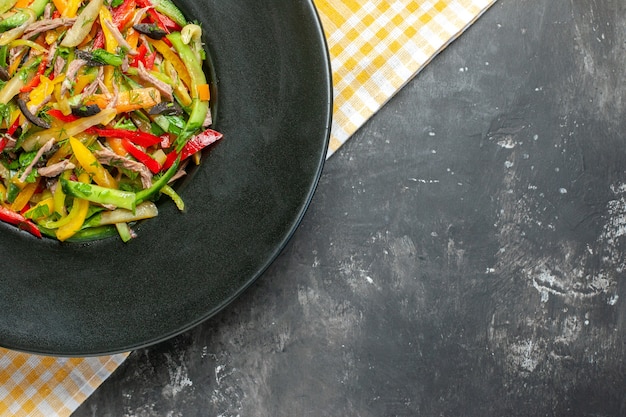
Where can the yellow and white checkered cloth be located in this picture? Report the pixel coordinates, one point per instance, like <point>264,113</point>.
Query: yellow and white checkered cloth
<point>376,46</point>
<point>32,385</point>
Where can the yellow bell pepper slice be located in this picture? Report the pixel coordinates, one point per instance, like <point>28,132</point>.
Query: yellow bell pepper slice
<point>3,193</point>
<point>91,165</point>
<point>109,40</point>
<point>57,82</point>
<point>110,45</point>
<point>76,216</point>
<point>59,197</point>
<point>83,81</point>
<point>180,91</point>
<point>61,153</point>
<point>66,149</point>
<point>42,91</point>
<point>17,61</point>
<point>48,202</point>
<point>172,57</point>
<point>26,42</point>
<point>109,72</point>
<point>52,36</point>
<point>70,8</point>
<point>24,195</point>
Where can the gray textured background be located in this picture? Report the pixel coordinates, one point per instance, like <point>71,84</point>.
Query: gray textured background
<point>463,255</point>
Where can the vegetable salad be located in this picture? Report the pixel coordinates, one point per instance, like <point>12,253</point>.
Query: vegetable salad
<point>102,104</point>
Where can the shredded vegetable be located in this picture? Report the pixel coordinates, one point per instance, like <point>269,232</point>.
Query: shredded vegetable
<point>102,103</point>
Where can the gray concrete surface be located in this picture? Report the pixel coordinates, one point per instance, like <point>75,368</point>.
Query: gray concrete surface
<point>463,255</point>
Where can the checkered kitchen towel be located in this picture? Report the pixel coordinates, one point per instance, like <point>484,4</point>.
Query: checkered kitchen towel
<point>376,46</point>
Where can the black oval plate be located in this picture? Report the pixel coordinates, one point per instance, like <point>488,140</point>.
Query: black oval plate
<point>272,93</point>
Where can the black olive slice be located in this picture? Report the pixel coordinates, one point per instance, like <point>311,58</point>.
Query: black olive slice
<point>89,58</point>
<point>85,110</point>
<point>166,108</point>
<point>37,121</point>
<point>150,30</point>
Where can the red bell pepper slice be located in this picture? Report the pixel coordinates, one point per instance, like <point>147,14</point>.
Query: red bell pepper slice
<point>98,41</point>
<point>123,13</point>
<point>152,164</point>
<point>195,144</point>
<point>171,157</point>
<point>3,142</point>
<point>143,56</point>
<point>135,136</point>
<point>14,126</point>
<point>148,61</point>
<point>58,114</point>
<point>20,221</point>
<point>162,21</point>
<point>140,57</point>
<point>34,82</point>
<point>199,142</point>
